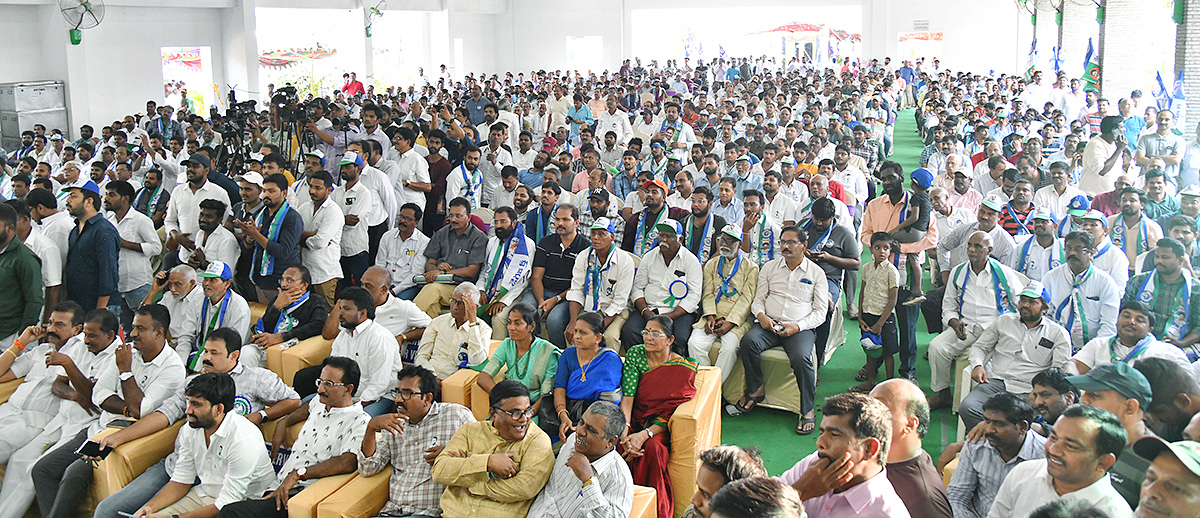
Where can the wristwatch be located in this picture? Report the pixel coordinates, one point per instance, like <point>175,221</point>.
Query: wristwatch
<point>302,472</point>
<point>263,413</point>
<point>126,375</point>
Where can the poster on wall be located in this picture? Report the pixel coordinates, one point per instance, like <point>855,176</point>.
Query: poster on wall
<point>915,45</point>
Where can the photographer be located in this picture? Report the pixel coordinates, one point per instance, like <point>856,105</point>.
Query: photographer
<point>333,142</point>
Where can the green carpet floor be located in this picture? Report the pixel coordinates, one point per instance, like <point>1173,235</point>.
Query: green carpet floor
<point>773,431</point>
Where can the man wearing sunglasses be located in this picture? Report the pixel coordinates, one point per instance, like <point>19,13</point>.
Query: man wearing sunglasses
<point>513,455</point>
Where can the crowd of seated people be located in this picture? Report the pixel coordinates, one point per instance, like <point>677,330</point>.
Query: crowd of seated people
<point>502,295</point>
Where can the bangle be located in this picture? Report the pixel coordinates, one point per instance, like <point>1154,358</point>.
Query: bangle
<point>17,343</point>
<point>9,350</point>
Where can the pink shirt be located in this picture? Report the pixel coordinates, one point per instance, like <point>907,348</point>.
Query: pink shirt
<point>970,200</point>
<point>874,497</point>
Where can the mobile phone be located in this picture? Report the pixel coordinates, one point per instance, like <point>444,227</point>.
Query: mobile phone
<point>92,449</point>
<point>778,328</point>
<point>434,442</point>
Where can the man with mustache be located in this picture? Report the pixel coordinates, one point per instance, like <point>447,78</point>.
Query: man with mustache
<point>1109,258</point>
<point>701,228</point>
<point>1124,392</point>
<point>139,242</point>
<point>365,341</point>
<point>176,290</point>
<point>67,364</point>
<point>507,269</point>
<point>1132,231</point>
<point>402,252</point>
<point>1172,482</point>
<point>222,307</point>
<point>22,273</point>
<point>589,473</point>
<point>984,465</point>
<point>1014,348</point>
<point>458,339</point>
<point>1164,290</point>
<point>553,266</point>
<point>321,240</point>
<point>144,373</point>
<point>242,470</point>
<point>952,251</point>
<point>1131,343</point>
<point>668,282</point>
<point>260,396</point>
<point>731,278</point>
<point>333,429</point>
<point>1083,298</point>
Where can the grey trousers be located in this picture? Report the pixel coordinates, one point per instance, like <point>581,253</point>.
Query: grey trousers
<point>61,479</point>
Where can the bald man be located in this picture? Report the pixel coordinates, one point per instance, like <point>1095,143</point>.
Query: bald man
<point>909,467</point>
<point>978,291</point>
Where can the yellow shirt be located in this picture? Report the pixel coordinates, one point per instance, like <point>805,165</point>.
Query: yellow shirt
<point>470,492</point>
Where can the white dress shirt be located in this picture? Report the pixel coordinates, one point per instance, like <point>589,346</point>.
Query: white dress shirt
<point>611,297</point>
<point>410,167</point>
<point>221,245</point>
<point>359,201</point>
<point>1099,295</point>
<point>1017,353</point>
<point>237,318</point>
<point>57,227</point>
<point>659,282</point>
<point>979,300</point>
<point>33,401</point>
<point>610,495</point>
<point>782,209</point>
<point>1029,486</point>
<point>159,379</point>
<point>443,343</point>
<point>799,296</point>
<point>854,180</point>
<point>1112,260</point>
<point>134,267</point>
<point>185,315</point>
<point>617,122</point>
<point>1048,198</point>
<point>71,418</point>
<point>952,247</point>
<point>322,252</point>
<point>400,316</point>
<point>183,211</point>
<point>1100,351</point>
<point>1034,260</point>
<point>404,258</point>
<point>47,251</point>
<point>376,351</point>
<point>232,464</point>
<point>384,204</point>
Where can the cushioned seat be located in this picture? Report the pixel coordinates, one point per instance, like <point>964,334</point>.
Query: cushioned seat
<point>129,460</point>
<point>695,426</point>
<point>287,362</point>
<point>458,387</point>
<point>361,497</point>
<point>782,392</point>
<point>7,388</point>
<point>644,499</point>
<point>257,310</point>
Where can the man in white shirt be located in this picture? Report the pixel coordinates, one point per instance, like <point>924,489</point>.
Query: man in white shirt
<point>458,339</point>
<point>852,178</point>
<point>183,211</point>
<point>614,120</point>
<point>1109,257</point>
<point>212,241</point>
<point>362,339</point>
<point>494,156</point>
<point>240,467</point>
<point>1041,251</point>
<point>780,208</point>
<point>45,250</point>
<point>321,241</point>
<point>1011,351</point>
<point>49,221</point>
<point>402,318</point>
<point>1058,195</point>
<point>143,374</point>
<point>589,478</point>
<point>1132,343</point>
<point>668,282</point>
<point>357,203</point>
<point>1084,444</point>
<point>1083,298</point>
<point>139,242</point>
<point>790,303</point>
<point>383,197</point>
<point>466,180</point>
<point>222,307</point>
<point>411,181</point>
<point>506,270</point>
<point>525,154</point>
<point>402,252</point>
<point>1102,156</point>
<point>978,291</point>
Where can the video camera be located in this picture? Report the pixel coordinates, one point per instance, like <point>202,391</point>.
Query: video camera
<point>286,102</point>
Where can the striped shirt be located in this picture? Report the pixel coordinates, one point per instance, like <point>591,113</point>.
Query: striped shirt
<point>610,495</point>
<point>981,471</point>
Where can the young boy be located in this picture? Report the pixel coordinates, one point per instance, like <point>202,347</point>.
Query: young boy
<point>913,228</point>
<point>876,302</point>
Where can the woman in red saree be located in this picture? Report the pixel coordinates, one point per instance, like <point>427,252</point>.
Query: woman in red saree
<point>661,380</point>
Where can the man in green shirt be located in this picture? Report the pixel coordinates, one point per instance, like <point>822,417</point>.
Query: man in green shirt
<point>20,280</point>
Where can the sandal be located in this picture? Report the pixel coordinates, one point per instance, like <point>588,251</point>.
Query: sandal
<point>863,387</point>
<point>807,425</point>
<point>737,409</point>
<point>862,374</point>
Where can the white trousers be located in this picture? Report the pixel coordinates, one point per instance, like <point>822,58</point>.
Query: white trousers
<point>701,343</point>
<point>944,349</point>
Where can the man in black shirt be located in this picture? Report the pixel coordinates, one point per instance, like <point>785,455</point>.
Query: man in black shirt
<point>553,264</point>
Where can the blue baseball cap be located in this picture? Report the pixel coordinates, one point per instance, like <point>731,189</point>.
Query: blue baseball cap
<point>669,225</point>
<point>603,224</point>
<point>922,176</point>
<point>217,269</point>
<point>89,186</point>
<point>1036,290</point>
<point>1078,206</point>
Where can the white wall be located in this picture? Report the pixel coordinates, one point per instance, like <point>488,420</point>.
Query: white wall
<point>979,35</point>
<point>20,34</point>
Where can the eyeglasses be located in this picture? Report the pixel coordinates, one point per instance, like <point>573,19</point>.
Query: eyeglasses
<point>516,414</point>
<point>405,393</point>
<point>653,334</point>
<point>789,242</point>
<point>326,383</point>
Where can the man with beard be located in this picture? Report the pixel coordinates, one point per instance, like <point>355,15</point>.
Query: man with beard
<point>710,174</point>
<point>780,208</point>
<point>882,214</point>
<point>1108,257</point>
<point>142,376</point>
<point>261,396</point>
<point>598,206</point>
<point>1132,231</point>
<point>402,252</point>
<point>295,314</point>
<point>183,211</point>
<point>50,274</point>
<point>553,264</point>
<point>978,292</point>
<point>439,173</point>
<point>760,233</point>
<point>668,282</point>
<point>1057,196</point>
<point>222,307</point>
<point>1131,344</point>
<point>732,278</point>
<point>456,250</point>
<point>835,250</point>
<point>176,290</point>
<point>508,263</point>
<point>503,196</point>
<point>589,473</point>
<point>321,240</point>
<point>539,222</point>
<point>274,237</point>
<point>1183,229</point>
<point>701,226</point>
<point>152,199</point>
<point>855,434</point>
<point>1176,397</point>
<point>365,341</point>
<point>358,203</point>
<point>522,197</point>
<point>1083,298</point>
<point>91,272</point>
<point>1017,214</point>
<point>535,175</point>
<point>518,458</point>
<point>244,470</point>
<point>1169,292</point>
<point>983,465</point>
<point>466,180</point>
<point>641,231</point>
<point>1014,348</point>
<point>139,242</point>
<point>1041,251</point>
